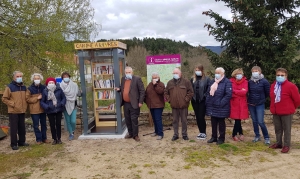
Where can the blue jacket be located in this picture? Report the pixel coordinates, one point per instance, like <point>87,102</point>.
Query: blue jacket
<point>48,106</point>
<point>36,89</point>
<point>258,92</point>
<point>219,104</point>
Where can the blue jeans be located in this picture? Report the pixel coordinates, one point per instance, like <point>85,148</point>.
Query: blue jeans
<point>38,119</point>
<point>157,120</point>
<point>71,120</point>
<point>257,114</point>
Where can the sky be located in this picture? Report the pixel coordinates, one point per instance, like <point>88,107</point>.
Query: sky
<point>173,19</point>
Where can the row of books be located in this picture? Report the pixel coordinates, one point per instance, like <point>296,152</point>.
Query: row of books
<point>109,107</point>
<point>104,83</point>
<point>106,94</point>
<point>103,69</point>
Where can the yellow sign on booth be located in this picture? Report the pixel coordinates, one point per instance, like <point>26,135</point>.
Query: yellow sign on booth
<point>100,45</point>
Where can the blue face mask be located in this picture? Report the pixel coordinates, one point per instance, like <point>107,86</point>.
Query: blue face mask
<point>217,76</point>
<point>128,76</point>
<point>239,76</point>
<point>19,80</point>
<point>198,73</point>
<point>280,79</point>
<point>66,80</point>
<point>176,76</point>
<point>255,74</point>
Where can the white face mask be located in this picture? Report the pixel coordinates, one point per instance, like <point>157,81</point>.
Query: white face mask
<point>51,85</point>
<point>37,82</point>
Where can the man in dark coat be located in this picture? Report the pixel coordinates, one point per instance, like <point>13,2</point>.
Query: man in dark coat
<point>132,95</point>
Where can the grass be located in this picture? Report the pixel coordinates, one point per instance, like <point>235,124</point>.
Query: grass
<point>25,156</point>
<point>205,156</point>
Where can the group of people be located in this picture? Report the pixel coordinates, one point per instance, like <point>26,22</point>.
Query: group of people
<point>218,98</point>
<point>51,99</point>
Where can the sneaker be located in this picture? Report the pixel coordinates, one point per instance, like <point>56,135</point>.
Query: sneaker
<point>46,141</point>
<point>185,138</point>
<point>201,136</point>
<point>212,140</point>
<point>241,137</point>
<point>15,147</point>
<point>71,136</point>
<point>275,146</point>
<point>59,141</point>
<point>38,143</point>
<point>137,139</point>
<point>285,149</point>
<point>256,139</point>
<point>128,136</point>
<point>159,137</point>
<point>235,138</point>
<point>153,135</point>
<point>219,142</point>
<point>267,141</point>
<point>54,142</point>
<point>175,138</point>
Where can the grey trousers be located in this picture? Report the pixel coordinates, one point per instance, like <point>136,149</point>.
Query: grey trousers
<point>180,113</point>
<point>282,125</point>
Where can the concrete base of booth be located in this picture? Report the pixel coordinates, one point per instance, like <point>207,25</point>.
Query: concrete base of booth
<point>103,136</point>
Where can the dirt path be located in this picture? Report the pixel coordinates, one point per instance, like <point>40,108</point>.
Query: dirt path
<point>150,158</point>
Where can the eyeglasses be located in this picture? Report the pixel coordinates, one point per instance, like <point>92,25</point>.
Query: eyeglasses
<point>280,75</point>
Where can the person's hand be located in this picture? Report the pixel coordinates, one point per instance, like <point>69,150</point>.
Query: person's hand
<point>40,96</point>
<point>154,81</point>
<point>140,105</point>
<point>117,89</point>
<point>243,89</point>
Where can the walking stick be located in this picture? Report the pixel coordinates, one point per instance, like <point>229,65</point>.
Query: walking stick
<point>154,132</point>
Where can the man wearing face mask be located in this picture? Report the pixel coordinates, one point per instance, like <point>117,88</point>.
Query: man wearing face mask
<point>154,98</point>
<point>285,99</point>
<point>178,93</point>
<point>132,94</point>
<point>33,97</point>
<point>14,97</point>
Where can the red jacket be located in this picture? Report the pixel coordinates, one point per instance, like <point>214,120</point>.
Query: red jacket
<point>238,102</point>
<point>290,99</point>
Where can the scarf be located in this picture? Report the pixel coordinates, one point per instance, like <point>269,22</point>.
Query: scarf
<point>70,90</point>
<point>51,95</point>
<point>214,87</point>
<point>277,91</point>
<point>255,79</point>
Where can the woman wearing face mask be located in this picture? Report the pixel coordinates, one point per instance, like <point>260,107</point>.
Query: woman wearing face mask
<point>285,99</point>
<point>259,90</point>
<point>238,102</point>
<point>70,90</point>
<point>33,97</point>
<point>154,98</point>
<point>53,102</point>
<point>200,85</point>
<point>218,105</point>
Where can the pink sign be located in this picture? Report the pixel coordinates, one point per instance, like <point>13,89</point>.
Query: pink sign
<point>162,59</point>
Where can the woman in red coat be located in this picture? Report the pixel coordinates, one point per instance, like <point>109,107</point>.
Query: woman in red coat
<point>238,102</point>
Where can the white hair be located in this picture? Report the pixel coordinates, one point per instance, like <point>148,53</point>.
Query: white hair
<point>15,72</point>
<point>155,74</point>
<point>128,68</point>
<point>37,74</point>
<point>220,69</point>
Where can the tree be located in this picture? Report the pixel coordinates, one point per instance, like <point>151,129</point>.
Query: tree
<point>262,32</point>
<point>35,35</point>
<point>136,58</point>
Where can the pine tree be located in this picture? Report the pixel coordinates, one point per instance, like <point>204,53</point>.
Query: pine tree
<point>261,32</point>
